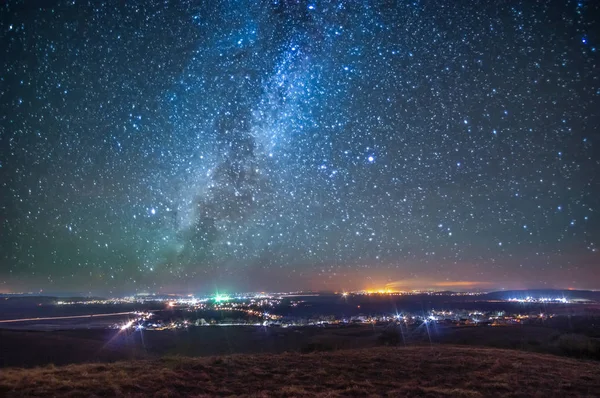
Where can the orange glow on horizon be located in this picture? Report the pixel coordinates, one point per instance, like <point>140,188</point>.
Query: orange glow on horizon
<point>380,291</point>
<point>423,284</point>
<point>461,283</point>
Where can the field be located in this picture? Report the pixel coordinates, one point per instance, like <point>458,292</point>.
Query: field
<point>384,371</point>
<point>62,347</point>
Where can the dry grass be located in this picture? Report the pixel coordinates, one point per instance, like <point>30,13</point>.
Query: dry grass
<point>414,371</point>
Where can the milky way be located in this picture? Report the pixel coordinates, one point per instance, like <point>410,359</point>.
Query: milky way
<point>162,146</point>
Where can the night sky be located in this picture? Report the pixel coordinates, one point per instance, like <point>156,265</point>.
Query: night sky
<point>190,146</point>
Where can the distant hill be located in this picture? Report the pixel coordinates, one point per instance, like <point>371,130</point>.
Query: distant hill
<point>30,298</point>
<point>413,371</point>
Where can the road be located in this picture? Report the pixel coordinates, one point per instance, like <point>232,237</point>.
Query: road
<point>52,318</point>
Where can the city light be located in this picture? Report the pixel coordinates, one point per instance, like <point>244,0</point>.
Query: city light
<point>530,299</point>
<point>221,297</point>
<point>127,325</point>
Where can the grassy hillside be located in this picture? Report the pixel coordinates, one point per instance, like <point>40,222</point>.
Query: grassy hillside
<point>414,371</point>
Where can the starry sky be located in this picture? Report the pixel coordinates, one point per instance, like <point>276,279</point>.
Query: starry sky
<point>248,145</point>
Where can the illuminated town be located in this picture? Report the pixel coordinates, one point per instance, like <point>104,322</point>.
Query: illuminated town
<point>267,309</point>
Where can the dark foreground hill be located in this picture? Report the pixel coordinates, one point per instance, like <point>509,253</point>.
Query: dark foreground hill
<point>413,371</point>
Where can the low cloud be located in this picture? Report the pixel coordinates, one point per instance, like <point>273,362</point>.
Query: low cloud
<point>424,283</point>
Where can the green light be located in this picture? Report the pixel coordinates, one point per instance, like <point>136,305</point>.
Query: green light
<point>221,297</point>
